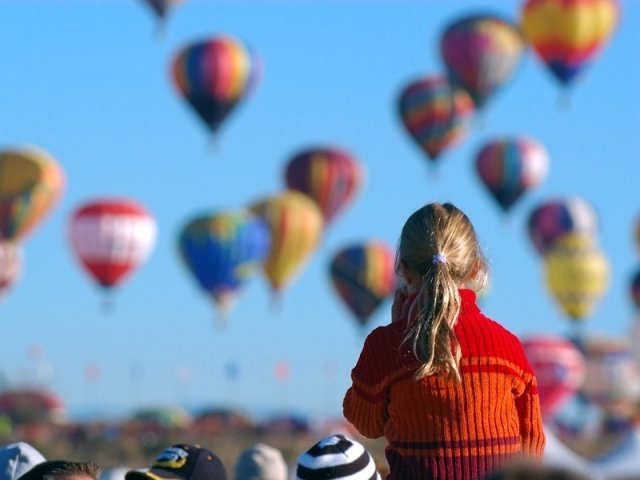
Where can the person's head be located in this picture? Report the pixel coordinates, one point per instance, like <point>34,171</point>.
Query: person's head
<point>336,457</point>
<point>63,470</point>
<point>261,462</point>
<point>182,462</point>
<point>17,459</point>
<point>438,253</point>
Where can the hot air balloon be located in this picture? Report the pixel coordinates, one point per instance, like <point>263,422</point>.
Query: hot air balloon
<point>111,237</point>
<point>363,276</point>
<point>435,114</point>
<point>296,226</point>
<point>222,250</point>
<point>634,290</point>
<point>612,377</point>
<point>511,166</point>
<point>557,217</point>
<point>567,34</point>
<point>559,368</point>
<point>30,184</point>
<point>329,175</point>
<point>577,275</point>
<point>214,75</point>
<point>161,7</point>
<point>10,265</point>
<point>481,54</point>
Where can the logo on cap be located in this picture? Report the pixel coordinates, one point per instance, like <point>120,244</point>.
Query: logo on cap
<point>172,457</point>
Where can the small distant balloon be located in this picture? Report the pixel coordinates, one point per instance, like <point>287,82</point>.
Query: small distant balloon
<point>31,182</point>
<point>92,373</point>
<point>161,7</point>
<point>282,372</point>
<point>568,34</point>
<point>329,175</point>
<point>111,237</point>
<point>214,76</point>
<point>363,276</point>
<point>634,290</point>
<point>481,54</point>
<point>577,275</point>
<point>436,115</point>
<point>509,167</point>
<point>556,217</point>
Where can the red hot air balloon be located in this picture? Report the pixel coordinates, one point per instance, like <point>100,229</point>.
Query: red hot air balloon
<point>559,367</point>
<point>111,237</point>
<point>435,114</point>
<point>509,167</point>
<point>329,175</point>
<point>214,76</point>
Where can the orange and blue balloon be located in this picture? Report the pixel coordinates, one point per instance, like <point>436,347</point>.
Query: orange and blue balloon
<point>509,167</point>
<point>567,34</point>
<point>481,54</point>
<point>363,276</point>
<point>436,115</point>
<point>31,182</point>
<point>222,250</point>
<point>329,175</point>
<point>214,76</point>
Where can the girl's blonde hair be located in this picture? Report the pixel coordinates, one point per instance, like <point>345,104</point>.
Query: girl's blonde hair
<point>439,245</point>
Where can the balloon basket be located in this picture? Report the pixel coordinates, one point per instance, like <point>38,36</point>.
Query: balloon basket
<point>564,102</point>
<point>214,143</point>
<point>107,304</point>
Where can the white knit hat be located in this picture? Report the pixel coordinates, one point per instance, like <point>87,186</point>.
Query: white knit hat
<point>261,462</point>
<point>336,457</point>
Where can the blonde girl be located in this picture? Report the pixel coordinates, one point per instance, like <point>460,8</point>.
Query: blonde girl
<point>449,388</point>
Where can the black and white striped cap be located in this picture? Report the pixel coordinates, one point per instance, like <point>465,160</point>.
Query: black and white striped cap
<point>336,457</point>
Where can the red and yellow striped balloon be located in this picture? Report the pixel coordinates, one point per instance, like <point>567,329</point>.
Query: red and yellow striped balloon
<point>329,175</point>
<point>296,225</point>
<point>567,34</point>
<point>214,76</point>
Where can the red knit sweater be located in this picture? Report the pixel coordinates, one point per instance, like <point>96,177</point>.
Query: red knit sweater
<point>440,429</point>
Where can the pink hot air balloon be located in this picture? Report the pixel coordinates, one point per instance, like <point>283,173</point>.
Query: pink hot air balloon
<point>559,367</point>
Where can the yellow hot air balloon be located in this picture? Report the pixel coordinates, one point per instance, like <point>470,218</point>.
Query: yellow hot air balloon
<point>296,225</point>
<point>577,274</point>
<point>30,183</point>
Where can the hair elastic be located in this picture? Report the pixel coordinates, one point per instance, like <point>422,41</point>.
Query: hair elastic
<point>439,258</point>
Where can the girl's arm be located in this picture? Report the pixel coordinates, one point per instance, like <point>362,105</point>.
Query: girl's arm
<point>530,416</point>
<point>365,403</point>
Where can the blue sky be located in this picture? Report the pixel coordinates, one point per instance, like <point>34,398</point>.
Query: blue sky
<point>88,81</point>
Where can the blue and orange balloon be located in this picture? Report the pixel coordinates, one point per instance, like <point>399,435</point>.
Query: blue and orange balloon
<point>214,76</point>
<point>481,54</point>
<point>436,115</point>
<point>222,250</point>
<point>329,175</point>
<point>363,276</point>
<point>567,34</point>
<point>509,167</point>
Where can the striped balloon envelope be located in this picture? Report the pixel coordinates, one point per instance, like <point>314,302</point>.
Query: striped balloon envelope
<point>214,76</point>
<point>481,54</point>
<point>296,225</point>
<point>511,166</point>
<point>10,265</point>
<point>329,175</point>
<point>557,217</point>
<point>111,237</point>
<point>222,250</point>
<point>567,34</point>
<point>436,115</point>
<point>31,183</point>
<point>363,276</point>
<point>559,368</point>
